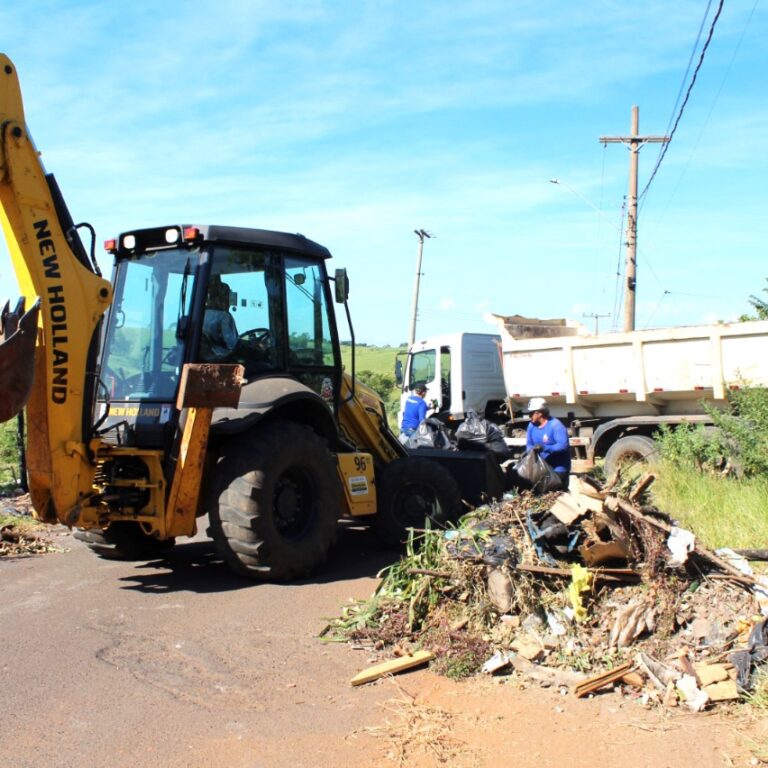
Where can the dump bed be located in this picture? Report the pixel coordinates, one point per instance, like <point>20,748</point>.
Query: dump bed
<point>660,371</point>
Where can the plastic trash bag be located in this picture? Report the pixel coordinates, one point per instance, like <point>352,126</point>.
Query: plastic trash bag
<point>535,470</point>
<point>476,433</point>
<point>430,434</point>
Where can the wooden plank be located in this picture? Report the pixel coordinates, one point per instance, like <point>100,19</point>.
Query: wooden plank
<point>726,690</point>
<point>392,667</point>
<point>567,509</point>
<point>599,681</point>
<point>604,574</point>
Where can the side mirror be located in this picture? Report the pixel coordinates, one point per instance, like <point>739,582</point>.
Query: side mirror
<point>342,286</point>
<point>399,372</point>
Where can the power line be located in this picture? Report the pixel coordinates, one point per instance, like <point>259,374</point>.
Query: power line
<point>688,67</point>
<point>711,108</point>
<point>687,96</point>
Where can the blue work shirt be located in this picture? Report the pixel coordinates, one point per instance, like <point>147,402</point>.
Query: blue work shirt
<point>553,436</point>
<point>414,413</point>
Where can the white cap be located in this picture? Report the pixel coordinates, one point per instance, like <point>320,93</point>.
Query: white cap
<point>537,404</point>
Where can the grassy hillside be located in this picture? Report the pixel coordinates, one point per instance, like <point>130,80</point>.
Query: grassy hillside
<point>374,359</point>
<point>380,362</point>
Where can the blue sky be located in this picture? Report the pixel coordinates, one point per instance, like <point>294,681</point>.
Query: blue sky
<point>355,123</point>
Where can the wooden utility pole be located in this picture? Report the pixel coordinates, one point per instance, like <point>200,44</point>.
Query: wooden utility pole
<point>634,141</point>
<point>421,234</point>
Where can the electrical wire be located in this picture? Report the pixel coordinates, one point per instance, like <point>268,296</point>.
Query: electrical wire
<point>666,144</point>
<point>618,292</point>
<point>712,107</point>
<point>656,308</point>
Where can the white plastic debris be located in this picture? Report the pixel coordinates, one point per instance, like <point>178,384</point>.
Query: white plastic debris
<point>555,624</point>
<point>737,561</point>
<point>680,543</point>
<point>694,698</point>
<point>499,660</point>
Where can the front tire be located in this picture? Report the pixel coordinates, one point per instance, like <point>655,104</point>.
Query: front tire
<point>123,540</point>
<point>410,492</point>
<point>275,502</point>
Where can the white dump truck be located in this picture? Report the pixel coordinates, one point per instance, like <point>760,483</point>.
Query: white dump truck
<point>614,390</point>
<point>462,372</point>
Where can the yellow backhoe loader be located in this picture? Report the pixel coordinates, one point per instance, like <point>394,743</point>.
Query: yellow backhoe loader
<point>204,378</point>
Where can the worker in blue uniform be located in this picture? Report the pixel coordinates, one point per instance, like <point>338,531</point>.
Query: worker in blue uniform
<point>549,438</point>
<point>414,412</point>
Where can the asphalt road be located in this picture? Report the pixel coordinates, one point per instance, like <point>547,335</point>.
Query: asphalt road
<point>177,662</point>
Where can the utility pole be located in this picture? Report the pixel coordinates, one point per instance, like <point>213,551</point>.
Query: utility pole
<point>634,141</point>
<point>421,234</point>
<point>596,317</point>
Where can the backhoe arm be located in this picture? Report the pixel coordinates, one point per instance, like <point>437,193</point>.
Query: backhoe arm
<point>72,302</point>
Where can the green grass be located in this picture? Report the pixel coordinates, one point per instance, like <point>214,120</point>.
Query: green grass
<point>374,359</point>
<point>722,512</point>
<point>377,360</point>
<point>9,455</point>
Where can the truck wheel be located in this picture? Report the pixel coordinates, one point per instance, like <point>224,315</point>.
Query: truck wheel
<point>634,449</point>
<point>411,491</point>
<point>123,540</point>
<point>275,502</point>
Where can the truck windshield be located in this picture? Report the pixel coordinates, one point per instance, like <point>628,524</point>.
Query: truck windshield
<point>142,355</point>
<point>422,368</point>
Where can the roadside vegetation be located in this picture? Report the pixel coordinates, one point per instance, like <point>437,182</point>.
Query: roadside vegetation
<point>375,367</point>
<point>9,456</point>
<point>715,481</point>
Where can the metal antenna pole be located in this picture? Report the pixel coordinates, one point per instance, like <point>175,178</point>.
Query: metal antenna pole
<point>596,317</point>
<point>421,234</point>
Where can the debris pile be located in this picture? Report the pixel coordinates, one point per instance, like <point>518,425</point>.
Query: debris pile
<point>587,590</point>
<point>19,534</point>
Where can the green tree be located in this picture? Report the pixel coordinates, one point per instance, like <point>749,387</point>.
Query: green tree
<point>760,306</point>
<point>381,383</point>
<point>739,440</point>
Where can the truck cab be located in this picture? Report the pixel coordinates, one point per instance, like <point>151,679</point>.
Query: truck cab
<point>462,372</point>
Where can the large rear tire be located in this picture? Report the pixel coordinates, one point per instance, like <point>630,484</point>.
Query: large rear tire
<point>275,502</point>
<point>631,450</point>
<point>411,493</point>
<point>123,540</point>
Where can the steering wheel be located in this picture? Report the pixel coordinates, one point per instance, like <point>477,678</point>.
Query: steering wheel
<point>257,336</point>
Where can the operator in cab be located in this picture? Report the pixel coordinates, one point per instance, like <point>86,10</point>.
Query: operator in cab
<point>414,412</point>
<point>549,438</point>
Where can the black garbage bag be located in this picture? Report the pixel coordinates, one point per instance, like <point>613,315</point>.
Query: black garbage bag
<point>477,433</point>
<point>535,471</point>
<point>431,433</point>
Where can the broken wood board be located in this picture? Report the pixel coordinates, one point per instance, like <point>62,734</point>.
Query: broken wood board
<point>635,679</point>
<point>546,675</point>
<point>643,484</point>
<point>602,574</point>
<point>392,667</point>
<point>712,673</point>
<point>582,486</point>
<point>528,648</point>
<point>725,690</point>
<point>600,681</point>
<point>569,507</point>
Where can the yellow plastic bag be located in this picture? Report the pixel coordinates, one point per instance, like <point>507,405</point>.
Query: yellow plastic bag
<point>581,581</point>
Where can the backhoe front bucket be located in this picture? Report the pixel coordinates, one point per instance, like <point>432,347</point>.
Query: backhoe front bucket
<point>18,333</point>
